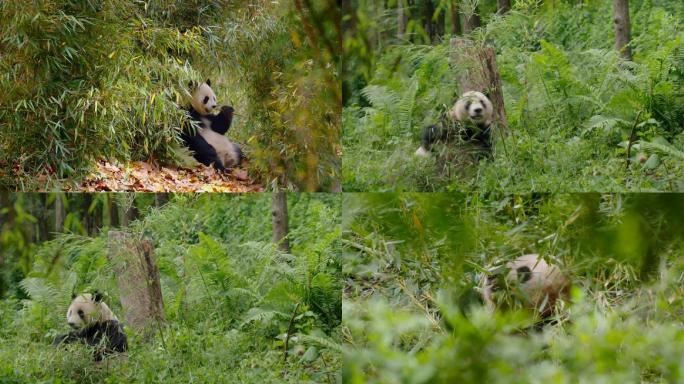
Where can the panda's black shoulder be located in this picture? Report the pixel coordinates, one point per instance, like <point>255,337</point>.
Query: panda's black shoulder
<point>193,114</point>
<point>221,122</point>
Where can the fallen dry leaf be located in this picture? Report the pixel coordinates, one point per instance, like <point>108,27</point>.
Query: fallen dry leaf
<point>146,177</point>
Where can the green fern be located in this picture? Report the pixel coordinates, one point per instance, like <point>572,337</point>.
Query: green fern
<point>40,290</point>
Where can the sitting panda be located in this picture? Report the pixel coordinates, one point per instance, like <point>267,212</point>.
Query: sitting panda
<point>531,282</point>
<point>208,143</point>
<point>95,325</point>
<point>470,119</point>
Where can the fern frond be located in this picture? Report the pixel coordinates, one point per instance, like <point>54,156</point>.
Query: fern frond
<point>381,97</point>
<point>662,148</point>
<point>262,316</point>
<point>40,290</point>
<point>322,341</point>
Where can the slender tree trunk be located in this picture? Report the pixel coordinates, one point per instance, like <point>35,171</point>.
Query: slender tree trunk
<point>503,6</point>
<point>472,21</point>
<point>42,214</point>
<point>112,211</point>
<point>456,28</point>
<point>428,11</point>
<point>59,212</point>
<point>439,25</point>
<point>86,215</point>
<point>622,28</point>
<point>280,220</point>
<point>348,17</point>
<point>401,20</point>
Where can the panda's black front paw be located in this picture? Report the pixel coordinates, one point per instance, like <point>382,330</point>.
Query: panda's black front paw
<point>59,339</point>
<point>219,166</point>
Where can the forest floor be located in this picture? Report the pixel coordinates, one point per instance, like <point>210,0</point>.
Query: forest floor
<point>145,177</point>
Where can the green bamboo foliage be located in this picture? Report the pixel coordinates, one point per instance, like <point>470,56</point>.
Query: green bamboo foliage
<point>83,81</point>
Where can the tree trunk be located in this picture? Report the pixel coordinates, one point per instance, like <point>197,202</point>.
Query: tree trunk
<point>59,212</point>
<point>401,20</point>
<point>131,213</point>
<point>477,72</point>
<point>455,19</point>
<point>112,211</point>
<point>622,28</point>
<point>472,21</point>
<point>280,220</point>
<point>503,6</point>
<point>138,281</point>
<point>430,28</point>
<point>88,222</point>
<point>42,214</point>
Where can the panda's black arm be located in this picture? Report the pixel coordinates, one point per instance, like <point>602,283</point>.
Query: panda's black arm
<point>68,338</point>
<point>431,134</point>
<point>221,122</point>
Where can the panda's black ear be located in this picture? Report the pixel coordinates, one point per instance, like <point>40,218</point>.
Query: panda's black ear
<point>209,82</point>
<point>73,295</point>
<point>97,296</point>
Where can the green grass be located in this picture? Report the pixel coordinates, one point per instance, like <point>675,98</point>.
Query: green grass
<point>188,354</point>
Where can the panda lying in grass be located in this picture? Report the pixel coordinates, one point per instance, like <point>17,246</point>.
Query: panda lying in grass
<point>94,324</point>
<point>531,283</point>
<point>469,119</point>
<point>208,142</point>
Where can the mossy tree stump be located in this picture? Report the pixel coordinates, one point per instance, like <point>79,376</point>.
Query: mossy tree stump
<point>137,277</point>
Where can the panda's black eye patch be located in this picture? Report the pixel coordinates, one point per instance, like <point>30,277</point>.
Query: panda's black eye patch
<point>524,274</point>
<point>80,313</point>
<point>468,105</point>
<point>206,98</point>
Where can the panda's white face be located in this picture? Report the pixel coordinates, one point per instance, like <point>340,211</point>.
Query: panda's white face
<point>473,106</point>
<point>203,98</point>
<point>86,309</point>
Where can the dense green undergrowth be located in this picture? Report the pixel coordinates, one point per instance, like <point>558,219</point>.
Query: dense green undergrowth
<point>572,105</point>
<point>229,297</point>
<point>413,262</point>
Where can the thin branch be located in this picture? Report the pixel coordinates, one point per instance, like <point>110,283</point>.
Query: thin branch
<point>289,330</point>
<point>632,137</point>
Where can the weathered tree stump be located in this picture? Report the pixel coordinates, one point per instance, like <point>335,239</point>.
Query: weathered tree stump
<point>138,281</point>
<point>477,71</point>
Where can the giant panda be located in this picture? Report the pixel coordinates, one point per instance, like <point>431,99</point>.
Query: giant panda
<point>528,281</point>
<point>95,325</point>
<point>208,143</point>
<point>470,118</point>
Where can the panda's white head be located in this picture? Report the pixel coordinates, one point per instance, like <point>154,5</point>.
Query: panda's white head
<point>203,98</point>
<point>86,309</point>
<point>531,280</point>
<point>473,106</point>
